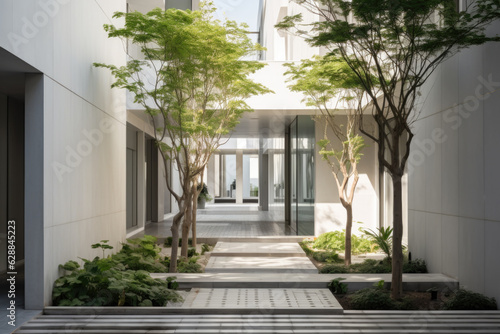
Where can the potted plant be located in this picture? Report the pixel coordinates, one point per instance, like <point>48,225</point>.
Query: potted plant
<point>204,196</point>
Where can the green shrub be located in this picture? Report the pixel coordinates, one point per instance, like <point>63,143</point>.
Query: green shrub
<point>382,238</point>
<point>205,248</point>
<point>118,280</point>
<point>188,265</point>
<point>370,266</point>
<point>141,254</point>
<point>416,266</point>
<point>337,287</point>
<point>305,246</point>
<point>192,252</point>
<point>168,242</point>
<point>467,300</point>
<point>106,282</point>
<point>335,241</point>
<point>372,299</point>
<point>334,269</point>
<point>326,256</point>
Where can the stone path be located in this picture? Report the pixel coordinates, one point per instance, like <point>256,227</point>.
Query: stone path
<point>233,257</point>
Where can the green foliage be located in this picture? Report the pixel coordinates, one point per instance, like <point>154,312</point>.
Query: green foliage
<point>172,283</point>
<point>205,248</point>
<point>370,266</point>
<point>416,266</point>
<point>192,252</point>
<point>383,239</point>
<point>337,287</point>
<point>70,266</point>
<point>118,280</point>
<point>467,300</point>
<point>202,188</point>
<point>326,256</point>
<point>372,299</point>
<point>336,241</point>
<point>103,245</point>
<point>379,284</point>
<point>334,269</point>
<point>188,265</point>
<point>106,282</point>
<point>168,242</point>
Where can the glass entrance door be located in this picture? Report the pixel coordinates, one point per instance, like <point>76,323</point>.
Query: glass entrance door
<point>302,139</point>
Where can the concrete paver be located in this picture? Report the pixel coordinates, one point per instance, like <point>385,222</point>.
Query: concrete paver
<point>307,300</point>
<point>242,264</point>
<point>258,249</point>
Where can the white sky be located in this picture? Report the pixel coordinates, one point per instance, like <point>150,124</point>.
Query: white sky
<point>239,11</point>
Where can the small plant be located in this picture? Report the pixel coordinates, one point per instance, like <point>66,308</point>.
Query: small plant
<point>172,283</point>
<point>326,256</point>
<point>467,300</point>
<point>337,287</point>
<point>372,299</point>
<point>335,241</point>
<point>103,245</point>
<point>204,192</point>
<point>188,265</point>
<point>379,285</point>
<point>205,248</point>
<point>383,239</point>
<point>168,242</point>
<point>416,266</point>
<point>192,252</point>
<point>334,269</point>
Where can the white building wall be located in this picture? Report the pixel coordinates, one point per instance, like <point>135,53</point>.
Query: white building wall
<point>84,132</point>
<point>329,214</point>
<point>454,216</point>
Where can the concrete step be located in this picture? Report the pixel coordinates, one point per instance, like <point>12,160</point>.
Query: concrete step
<point>223,264</point>
<point>125,322</point>
<point>258,249</point>
<point>413,282</point>
<point>261,239</point>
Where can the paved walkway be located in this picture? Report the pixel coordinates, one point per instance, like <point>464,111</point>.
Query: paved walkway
<point>229,220</point>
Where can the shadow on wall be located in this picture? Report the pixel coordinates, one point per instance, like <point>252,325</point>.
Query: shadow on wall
<point>332,216</point>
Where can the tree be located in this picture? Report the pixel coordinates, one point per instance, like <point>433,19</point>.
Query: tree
<point>400,43</point>
<point>192,84</point>
<point>323,81</point>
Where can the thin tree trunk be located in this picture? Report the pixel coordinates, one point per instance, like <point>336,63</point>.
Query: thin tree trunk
<point>397,237</point>
<point>348,235</point>
<point>175,240</point>
<point>193,220</point>
<point>186,226</point>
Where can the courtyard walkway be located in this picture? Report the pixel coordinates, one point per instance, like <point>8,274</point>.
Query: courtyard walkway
<point>230,220</point>
<point>259,280</point>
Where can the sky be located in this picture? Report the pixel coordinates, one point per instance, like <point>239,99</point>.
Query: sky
<point>239,10</point>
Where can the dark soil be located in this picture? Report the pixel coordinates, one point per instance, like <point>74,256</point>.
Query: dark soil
<point>419,300</point>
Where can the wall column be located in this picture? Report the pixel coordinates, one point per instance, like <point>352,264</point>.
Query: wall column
<point>239,176</point>
<point>211,184</point>
<point>35,123</point>
<point>263,177</point>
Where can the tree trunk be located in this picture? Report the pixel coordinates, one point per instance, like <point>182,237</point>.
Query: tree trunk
<point>397,238</point>
<point>348,235</point>
<point>186,225</point>
<point>175,240</point>
<point>193,220</point>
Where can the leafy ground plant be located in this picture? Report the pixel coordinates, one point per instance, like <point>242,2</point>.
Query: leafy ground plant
<point>467,300</point>
<point>337,287</point>
<point>118,280</point>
